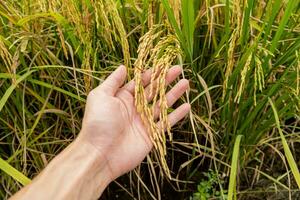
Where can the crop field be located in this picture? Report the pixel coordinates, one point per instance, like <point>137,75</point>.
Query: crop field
<point>241,139</point>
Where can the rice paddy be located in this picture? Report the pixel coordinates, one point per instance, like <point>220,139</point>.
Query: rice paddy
<point>242,58</point>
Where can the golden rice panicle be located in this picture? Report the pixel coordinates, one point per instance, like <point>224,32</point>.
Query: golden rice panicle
<point>102,21</point>
<point>158,56</point>
<point>5,55</point>
<point>236,19</point>
<point>104,16</point>
<point>118,24</point>
<point>243,79</point>
<point>108,17</point>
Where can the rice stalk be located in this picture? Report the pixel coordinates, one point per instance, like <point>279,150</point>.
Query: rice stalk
<point>298,74</point>
<point>159,59</point>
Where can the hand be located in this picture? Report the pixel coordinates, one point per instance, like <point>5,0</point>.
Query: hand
<point>113,126</point>
<point>113,140</point>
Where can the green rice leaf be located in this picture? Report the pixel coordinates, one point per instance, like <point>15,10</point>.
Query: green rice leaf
<point>188,23</point>
<point>234,168</point>
<point>288,12</point>
<point>12,87</point>
<point>176,27</point>
<point>14,173</point>
<point>245,28</point>
<point>288,154</point>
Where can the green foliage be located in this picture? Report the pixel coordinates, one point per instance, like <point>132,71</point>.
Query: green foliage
<point>206,189</point>
<point>289,156</point>
<point>234,168</point>
<point>237,55</point>
<point>7,168</point>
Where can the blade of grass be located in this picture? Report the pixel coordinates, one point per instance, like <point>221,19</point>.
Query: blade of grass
<point>269,177</point>
<point>12,87</point>
<point>234,168</point>
<point>289,156</point>
<point>14,173</point>
<point>41,83</point>
<point>188,23</point>
<point>271,12</point>
<point>288,12</point>
<point>176,27</point>
<point>47,85</point>
<point>245,28</point>
<point>30,143</point>
<point>274,43</point>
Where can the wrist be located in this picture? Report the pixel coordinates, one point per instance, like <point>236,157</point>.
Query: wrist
<point>81,170</point>
<point>76,173</point>
<point>92,161</point>
<point>102,151</point>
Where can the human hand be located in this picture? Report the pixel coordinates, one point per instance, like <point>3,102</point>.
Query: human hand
<point>113,126</point>
<point>113,140</point>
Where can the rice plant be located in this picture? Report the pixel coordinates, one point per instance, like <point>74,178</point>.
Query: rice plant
<point>243,62</point>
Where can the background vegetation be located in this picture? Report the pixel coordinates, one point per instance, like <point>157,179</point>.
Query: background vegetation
<point>242,59</point>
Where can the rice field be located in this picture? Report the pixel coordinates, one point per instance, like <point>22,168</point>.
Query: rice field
<point>241,139</point>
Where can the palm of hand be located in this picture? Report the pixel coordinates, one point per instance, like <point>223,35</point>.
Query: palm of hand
<point>113,125</point>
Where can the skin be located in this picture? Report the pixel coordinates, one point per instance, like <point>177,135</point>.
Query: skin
<point>113,140</point>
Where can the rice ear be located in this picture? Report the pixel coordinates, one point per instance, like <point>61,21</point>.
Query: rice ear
<point>158,56</point>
